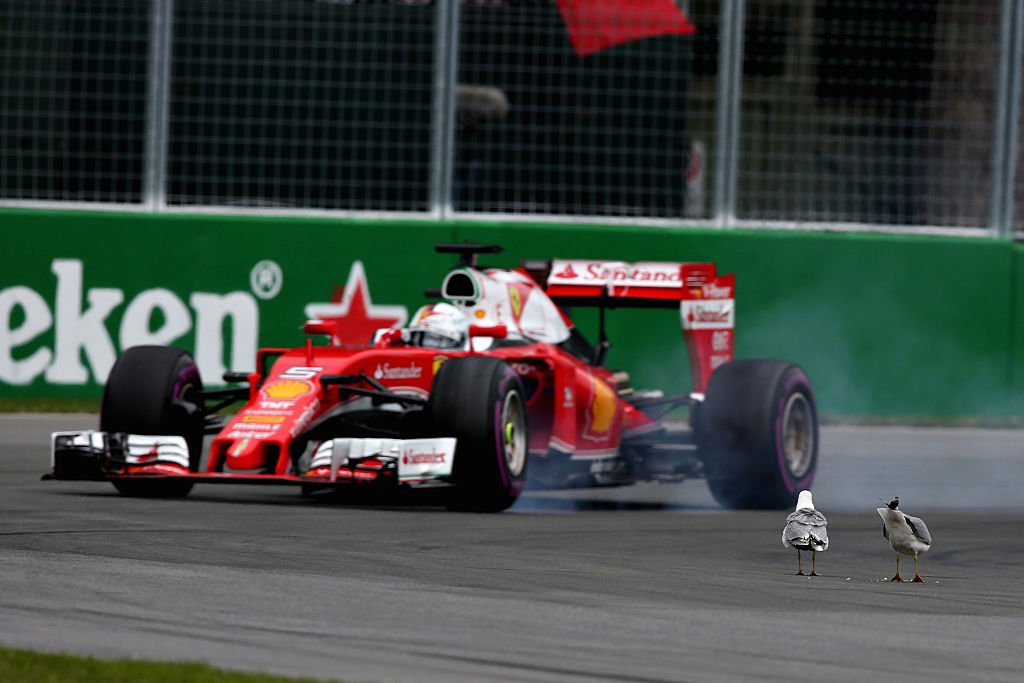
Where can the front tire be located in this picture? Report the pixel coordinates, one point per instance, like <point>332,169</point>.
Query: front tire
<point>758,434</point>
<point>155,390</point>
<point>480,401</point>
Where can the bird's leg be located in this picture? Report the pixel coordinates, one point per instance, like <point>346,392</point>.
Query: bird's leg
<point>814,556</point>
<point>799,567</point>
<point>897,577</point>
<point>917,577</point>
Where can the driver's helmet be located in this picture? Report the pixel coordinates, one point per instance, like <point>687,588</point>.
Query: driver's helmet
<point>440,326</point>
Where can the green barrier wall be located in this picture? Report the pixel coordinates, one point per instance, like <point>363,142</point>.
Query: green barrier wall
<point>892,327</point>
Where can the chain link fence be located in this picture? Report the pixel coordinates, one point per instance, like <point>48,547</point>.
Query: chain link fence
<point>73,98</point>
<point>898,114</point>
<point>301,105</point>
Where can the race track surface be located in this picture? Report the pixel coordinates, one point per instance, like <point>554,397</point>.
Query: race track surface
<point>647,583</point>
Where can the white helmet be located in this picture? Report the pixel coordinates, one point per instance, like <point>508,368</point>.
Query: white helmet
<point>440,326</point>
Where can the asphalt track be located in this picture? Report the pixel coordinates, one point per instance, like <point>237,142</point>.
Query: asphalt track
<point>647,583</point>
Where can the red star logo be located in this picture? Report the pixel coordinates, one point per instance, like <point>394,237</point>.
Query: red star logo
<point>356,316</point>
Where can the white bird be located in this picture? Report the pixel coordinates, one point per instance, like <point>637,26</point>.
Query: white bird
<point>906,534</point>
<point>805,530</point>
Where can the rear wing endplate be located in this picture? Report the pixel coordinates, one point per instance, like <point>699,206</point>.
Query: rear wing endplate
<point>705,299</point>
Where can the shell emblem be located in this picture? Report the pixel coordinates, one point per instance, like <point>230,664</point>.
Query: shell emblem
<point>287,389</point>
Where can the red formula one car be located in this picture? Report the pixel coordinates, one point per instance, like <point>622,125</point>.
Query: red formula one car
<point>479,394</point>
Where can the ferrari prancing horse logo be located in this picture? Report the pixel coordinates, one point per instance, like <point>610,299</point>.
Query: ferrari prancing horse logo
<point>516,299</point>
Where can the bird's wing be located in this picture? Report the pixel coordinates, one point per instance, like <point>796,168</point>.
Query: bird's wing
<point>885,527</point>
<point>789,534</point>
<point>795,533</point>
<point>885,530</point>
<point>805,528</point>
<point>820,534</point>
<point>808,517</point>
<point>919,529</point>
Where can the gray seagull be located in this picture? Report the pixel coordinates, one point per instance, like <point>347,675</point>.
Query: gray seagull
<point>906,534</point>
<point>805,530</point>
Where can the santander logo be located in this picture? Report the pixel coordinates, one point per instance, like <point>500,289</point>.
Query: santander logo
<point>432,457</point>
<point>387,371</point>
<point>567,272</point>
<point>617,273</point>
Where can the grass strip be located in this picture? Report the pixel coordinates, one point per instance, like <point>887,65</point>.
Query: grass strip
<point>48,405</point>
<point>23,666</point>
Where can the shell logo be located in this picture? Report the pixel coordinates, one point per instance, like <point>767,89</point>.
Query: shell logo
<point>287,389</point>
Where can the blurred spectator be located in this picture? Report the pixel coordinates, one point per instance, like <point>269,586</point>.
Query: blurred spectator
<point>476,106</point>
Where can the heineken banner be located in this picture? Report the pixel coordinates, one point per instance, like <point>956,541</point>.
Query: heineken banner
<point>82,287</point>
<point>885,326</point>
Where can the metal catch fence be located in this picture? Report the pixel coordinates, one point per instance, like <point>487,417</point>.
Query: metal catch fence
<point>885,114</point>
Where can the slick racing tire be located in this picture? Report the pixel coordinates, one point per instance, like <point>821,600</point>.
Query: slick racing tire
<point>758,434</point>
<point>480,401</point>
<point>155,390</point>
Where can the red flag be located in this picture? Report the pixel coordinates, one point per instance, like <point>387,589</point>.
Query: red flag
<point>595,25</point>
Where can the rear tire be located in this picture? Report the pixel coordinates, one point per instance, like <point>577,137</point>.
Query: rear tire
<point>758,434</point>
<point>480,401</point>
<point>155,390</point>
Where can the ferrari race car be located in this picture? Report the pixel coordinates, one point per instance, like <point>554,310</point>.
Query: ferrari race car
<point>491,388</point>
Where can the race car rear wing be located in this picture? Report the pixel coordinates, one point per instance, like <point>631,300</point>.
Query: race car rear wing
<point>705,299</point>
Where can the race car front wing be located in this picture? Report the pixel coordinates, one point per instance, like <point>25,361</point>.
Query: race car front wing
<point>106,456</point>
